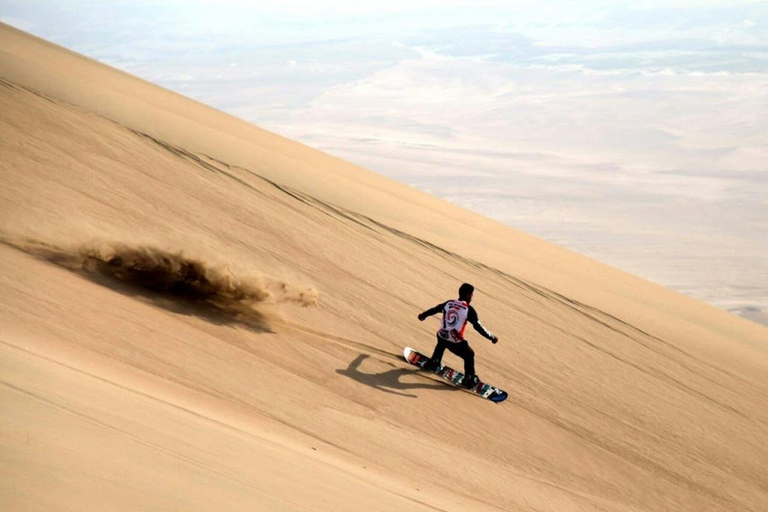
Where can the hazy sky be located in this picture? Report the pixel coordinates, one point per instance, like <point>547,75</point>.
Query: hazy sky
<point>635,133</point>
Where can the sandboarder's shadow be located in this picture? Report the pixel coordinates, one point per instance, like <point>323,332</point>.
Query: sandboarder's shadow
<point>388,381</point>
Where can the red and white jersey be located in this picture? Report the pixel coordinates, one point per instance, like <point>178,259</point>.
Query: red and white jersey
<point>455,314</point>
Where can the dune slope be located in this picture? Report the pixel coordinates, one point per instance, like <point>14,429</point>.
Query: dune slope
<point>623,395</point>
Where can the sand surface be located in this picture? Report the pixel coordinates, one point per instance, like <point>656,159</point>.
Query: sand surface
<point>623,395</point>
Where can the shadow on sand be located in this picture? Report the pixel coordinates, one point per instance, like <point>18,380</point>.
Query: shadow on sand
<point>389,381</point>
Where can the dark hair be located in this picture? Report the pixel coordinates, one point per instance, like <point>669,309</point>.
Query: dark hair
<point>465,290</point>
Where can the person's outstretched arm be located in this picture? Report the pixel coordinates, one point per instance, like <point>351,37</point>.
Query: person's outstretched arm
<point>475,321</point>
<point>432,311</point>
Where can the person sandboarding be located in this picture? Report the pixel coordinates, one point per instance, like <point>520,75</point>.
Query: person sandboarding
<point>450,335</point>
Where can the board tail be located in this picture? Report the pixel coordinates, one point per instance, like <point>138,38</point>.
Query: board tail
<point>411,356</point>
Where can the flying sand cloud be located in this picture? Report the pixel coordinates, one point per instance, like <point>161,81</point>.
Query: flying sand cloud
<point>173,279</point>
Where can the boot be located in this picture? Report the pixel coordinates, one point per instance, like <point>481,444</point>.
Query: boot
<point>431,366</point>
<point>470,381</point>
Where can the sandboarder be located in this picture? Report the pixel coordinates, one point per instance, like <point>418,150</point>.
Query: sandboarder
<point>450,335</point>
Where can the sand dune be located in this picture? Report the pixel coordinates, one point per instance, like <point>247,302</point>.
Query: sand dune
<point>196,314</point>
